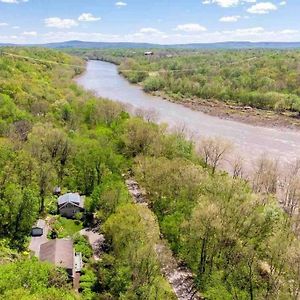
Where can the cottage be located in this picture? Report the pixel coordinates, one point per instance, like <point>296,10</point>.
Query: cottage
<point>70,204</point>
<point>60,252</point>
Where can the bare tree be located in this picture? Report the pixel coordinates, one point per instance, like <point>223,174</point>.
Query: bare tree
<point>291,188</point>
<point>149,115</point>
<point>237,165</point>
<point>214,151</point>
<point>265,176</point>
<point>20,130</point>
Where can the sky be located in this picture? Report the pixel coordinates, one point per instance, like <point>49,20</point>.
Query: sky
<point>154,21</point>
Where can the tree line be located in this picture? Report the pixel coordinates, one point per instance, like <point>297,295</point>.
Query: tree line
<point>264,79</point>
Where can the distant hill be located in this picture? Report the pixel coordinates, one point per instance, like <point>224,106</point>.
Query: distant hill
<point>241,45</point>
<point>125,45</point>
<point>80,44</point>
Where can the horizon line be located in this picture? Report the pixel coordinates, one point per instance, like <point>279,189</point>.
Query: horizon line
<point>147,43</point>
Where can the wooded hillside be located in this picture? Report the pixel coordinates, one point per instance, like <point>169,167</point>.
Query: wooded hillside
<point>238,244</point>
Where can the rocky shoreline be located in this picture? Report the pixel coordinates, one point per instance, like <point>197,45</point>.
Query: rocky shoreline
<point>243,114</point>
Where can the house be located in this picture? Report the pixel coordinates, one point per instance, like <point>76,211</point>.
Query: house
<point>70,204</point>
<point>60,252</point>
<point>148,53</point>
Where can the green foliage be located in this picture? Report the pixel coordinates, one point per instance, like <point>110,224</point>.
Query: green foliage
<point>153,83</point>
<point>82,245</point>
<point>221,230</point>
<point>265,79</point>
<point>108,196</point>
<point>88,284</point>
<point>133,270</point>
<point>138,136</point>
<point>32,279</point>
<point>44,294</point>
<point>52,133</point>
<point>65,227</point>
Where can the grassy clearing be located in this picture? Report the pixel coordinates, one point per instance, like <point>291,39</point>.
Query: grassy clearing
<point>66,227</point>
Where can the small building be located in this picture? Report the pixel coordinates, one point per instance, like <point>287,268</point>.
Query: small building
<point>70,204</point>
<point>148,53</point>
<point>60,252</point>
<point>57,191</point>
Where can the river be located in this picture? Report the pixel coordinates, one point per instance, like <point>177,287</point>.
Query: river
<point>251,141</point>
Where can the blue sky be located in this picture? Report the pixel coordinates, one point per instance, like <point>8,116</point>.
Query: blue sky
<point>158,21</point>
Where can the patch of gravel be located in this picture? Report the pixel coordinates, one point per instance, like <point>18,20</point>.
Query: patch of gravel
<point>179,277</point>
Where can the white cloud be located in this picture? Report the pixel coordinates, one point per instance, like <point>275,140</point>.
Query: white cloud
<point>9,1</point>
<point>289,31</point>
<point>230,19</point>
<point>253,34</point>
<point>30,33</point>
<point>13,1</point>
<point>245,31</point>
<point>3,24</point>
<point>150,30</point>
<point>88,17</point>
<point>282,3</point>
<point>60,23</point>
<point>16,27</point>
<point>191,27</point>
<point>120,4</point>
<point>227,3</point>
<point>262,8</point>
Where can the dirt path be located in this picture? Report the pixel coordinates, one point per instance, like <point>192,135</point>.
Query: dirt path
<point>180,278</point>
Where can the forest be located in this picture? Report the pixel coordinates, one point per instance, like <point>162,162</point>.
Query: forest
<point>263,79</point>
<point>231,233</point>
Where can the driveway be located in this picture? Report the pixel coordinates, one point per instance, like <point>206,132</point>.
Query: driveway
<point>36,242</point>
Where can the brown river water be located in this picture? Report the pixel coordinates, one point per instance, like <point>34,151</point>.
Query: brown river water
<point>248,140</point>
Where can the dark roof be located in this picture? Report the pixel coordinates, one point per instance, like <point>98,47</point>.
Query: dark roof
<point>37,231</point>
<point>69,198</point>
<point>57,190</point>
<point>59,252</point>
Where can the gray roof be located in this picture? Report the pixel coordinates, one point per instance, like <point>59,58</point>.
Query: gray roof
<point>69,198</point>
<point>59,252</point>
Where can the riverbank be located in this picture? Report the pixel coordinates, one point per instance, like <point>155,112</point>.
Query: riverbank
<point>216,108</point>
<point>248,115</point>
<point>278,141</point>
<point>243,114</point>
